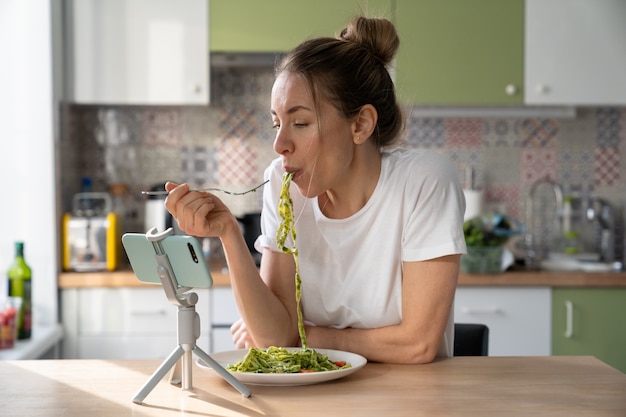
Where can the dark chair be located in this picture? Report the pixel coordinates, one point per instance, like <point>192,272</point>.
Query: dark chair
<point>471,339</point>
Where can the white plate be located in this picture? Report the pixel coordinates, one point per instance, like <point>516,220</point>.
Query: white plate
<point>307,378</point>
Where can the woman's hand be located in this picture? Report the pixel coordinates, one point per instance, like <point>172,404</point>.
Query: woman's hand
<point>198,213</point>
<point>241,337</point>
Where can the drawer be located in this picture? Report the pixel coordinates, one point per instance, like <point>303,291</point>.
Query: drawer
<point>132,311</point>
<point>224,309</point>
<point>131,347</point>
<point>221,340</point>
<point>518,318</point>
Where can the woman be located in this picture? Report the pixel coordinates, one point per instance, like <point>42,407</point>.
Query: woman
<point>379,230</point>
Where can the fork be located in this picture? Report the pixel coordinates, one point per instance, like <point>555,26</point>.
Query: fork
<point>251,190</point>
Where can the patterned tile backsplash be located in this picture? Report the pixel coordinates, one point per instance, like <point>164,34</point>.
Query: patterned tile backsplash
<point>229,143</point>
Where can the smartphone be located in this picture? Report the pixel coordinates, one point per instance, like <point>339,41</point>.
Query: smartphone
<point>185,255</point>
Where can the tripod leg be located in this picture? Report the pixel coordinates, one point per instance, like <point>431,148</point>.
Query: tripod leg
<point>187,370</point>
<point>176,377</point>
<point>181,372</point>
<point>158,374</point>
<point>241,387</point>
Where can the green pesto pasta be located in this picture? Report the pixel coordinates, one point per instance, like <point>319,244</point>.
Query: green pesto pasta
<point>281,361</point>
<point>287,228</point>
<point>276,359</point>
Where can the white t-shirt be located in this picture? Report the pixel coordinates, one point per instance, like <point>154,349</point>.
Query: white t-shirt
<point>351,269</point>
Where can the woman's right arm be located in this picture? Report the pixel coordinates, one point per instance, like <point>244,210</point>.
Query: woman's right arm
<point>266,299</point>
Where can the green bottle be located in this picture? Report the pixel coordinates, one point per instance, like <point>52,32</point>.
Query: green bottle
<point>20,286</point>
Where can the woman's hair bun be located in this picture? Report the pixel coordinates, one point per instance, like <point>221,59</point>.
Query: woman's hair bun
<point>376,34</point>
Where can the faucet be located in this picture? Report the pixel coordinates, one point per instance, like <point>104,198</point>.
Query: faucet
<point>529,239</point>
<point>602,211</point>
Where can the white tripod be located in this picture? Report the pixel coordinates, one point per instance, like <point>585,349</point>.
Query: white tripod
<point>188,330</point>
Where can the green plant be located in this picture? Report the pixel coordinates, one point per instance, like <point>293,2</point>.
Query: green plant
<point>488,230</point>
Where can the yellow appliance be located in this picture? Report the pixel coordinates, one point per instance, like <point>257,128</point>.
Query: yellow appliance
<point>91,238</point>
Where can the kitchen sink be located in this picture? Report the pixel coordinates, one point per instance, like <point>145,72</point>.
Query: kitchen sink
<point>580,265</point>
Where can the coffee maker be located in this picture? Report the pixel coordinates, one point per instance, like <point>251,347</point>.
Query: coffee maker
<point>156,215</point>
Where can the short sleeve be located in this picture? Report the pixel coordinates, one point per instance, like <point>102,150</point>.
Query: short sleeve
<point>435,204</point>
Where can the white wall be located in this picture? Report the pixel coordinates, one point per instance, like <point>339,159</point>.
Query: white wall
<point>27,169</point>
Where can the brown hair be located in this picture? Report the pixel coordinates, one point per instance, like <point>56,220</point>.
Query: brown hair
<point>351,70</point>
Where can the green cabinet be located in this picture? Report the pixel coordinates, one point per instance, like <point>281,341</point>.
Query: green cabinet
<point>459,52</point>
<point>279,25</point>
<point>590,321</point>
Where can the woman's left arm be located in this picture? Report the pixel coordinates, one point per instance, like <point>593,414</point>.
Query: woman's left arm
<point>427,296</point>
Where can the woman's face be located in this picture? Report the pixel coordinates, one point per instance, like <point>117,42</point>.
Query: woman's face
<point>315,142</point>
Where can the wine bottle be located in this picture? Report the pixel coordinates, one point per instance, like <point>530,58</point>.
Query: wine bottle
<point>20,286</point>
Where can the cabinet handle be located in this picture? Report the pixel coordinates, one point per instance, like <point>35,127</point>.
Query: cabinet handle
<point>569,319</point>
<point>510,90</point>
<point>148,313</point>
<point>479,311</point>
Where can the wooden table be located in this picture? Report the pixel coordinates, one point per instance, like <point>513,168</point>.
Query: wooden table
<point>461,386</point>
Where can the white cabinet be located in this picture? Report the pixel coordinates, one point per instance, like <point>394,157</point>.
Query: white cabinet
<point>138,52</point>
<point>575,52</point>
<point>223,313</point>
<point>139,323</point>
<point>518,318</point>
<point>124,323</point>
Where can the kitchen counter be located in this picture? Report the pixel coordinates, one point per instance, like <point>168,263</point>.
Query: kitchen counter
<point>121,278</point>
<point>44,339</point>
<point>545,278</point>
<point>126,278</point>
<point>469,386</point>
